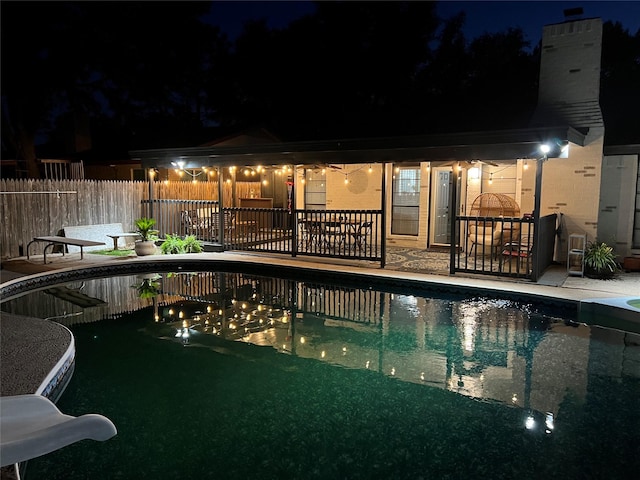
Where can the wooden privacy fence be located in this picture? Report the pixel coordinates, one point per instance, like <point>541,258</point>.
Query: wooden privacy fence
<point>206,191</point>
<point>32,208</point>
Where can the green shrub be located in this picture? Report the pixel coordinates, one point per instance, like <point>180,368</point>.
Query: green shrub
<point>599,260</point>
<point>191,245</point>
<point>173,244</point>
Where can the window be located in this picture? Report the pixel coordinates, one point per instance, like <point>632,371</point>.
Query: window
<point>315,190</point>
<point>405,202</point>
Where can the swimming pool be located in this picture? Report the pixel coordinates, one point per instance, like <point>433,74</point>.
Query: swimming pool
<point>225,375</point>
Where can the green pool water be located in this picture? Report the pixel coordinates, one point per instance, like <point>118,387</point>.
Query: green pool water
<point>348,383</point>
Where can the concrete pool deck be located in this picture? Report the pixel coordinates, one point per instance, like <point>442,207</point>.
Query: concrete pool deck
<point>554,283</point>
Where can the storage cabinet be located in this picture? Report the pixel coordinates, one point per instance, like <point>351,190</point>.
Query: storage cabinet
<point>575,255</point>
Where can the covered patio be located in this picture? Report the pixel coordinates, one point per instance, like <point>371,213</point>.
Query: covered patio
<point>267,204</point>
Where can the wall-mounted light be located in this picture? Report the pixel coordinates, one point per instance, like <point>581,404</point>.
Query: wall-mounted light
<point>474,173</point>
<point>555,149</point>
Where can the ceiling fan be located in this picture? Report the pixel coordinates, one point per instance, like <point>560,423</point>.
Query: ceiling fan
<point>470,163</point>
<point>474,163</point>
<point>325,166</point>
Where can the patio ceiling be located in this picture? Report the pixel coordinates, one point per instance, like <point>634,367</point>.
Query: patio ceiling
<point>495,145</point>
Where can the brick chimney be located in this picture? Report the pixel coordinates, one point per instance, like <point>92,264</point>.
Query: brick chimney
<point>569,87</point>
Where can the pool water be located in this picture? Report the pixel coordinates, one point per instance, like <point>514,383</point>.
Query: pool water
<point>233,376</point>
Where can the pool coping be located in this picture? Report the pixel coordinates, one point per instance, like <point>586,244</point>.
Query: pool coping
<point>307,270</point>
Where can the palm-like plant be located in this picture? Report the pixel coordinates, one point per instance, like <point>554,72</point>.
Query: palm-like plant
<point>600,260</point>
<point>144,226</point>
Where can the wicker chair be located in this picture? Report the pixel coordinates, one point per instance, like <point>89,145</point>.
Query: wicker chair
<point>490,235</point>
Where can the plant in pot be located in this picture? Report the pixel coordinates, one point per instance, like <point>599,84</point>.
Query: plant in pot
<point>600,260</point>
<point>146,245</point>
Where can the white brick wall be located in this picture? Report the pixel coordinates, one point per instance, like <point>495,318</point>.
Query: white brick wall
<point>570,63</point>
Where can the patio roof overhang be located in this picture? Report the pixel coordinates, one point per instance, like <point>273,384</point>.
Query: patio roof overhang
<point>494,145</point>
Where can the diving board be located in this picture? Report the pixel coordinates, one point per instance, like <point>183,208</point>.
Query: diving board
<point>32,426</point>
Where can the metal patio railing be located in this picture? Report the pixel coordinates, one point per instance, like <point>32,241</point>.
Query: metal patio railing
<point>345,234</point>
<point>503,246</point>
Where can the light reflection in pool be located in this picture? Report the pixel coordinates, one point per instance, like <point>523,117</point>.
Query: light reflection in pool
<point>493,350</point>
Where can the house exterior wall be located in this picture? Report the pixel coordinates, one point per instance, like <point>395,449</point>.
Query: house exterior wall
<point>570,62</point>
<point>361,193</point>
<point>617,201</point>
<point>571,186</point>
<point>569,91</point>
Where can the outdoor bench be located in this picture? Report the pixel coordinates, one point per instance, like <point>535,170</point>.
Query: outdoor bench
<point>56,240</point>
<point>116,236</point>
<point>101,232</point>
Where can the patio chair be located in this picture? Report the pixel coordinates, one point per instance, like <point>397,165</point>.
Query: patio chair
<point>487,231</point>
<point>360,236</point>
<point>488,236</point>
<point>229,225</point>
<point>312,234</point>
<point>193,224</point>
<point>521,252</point>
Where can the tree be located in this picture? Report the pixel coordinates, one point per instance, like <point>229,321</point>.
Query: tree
<point>141,64</point>
<point>619,80</point>
<point>346,70</point>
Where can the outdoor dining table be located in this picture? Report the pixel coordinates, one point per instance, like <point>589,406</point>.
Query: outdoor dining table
<point>330,232</point>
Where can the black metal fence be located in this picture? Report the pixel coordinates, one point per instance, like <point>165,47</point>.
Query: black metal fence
<point>352,234</point>
<point>504,246</point>
<point>348,234</point>
<point>497,246</point>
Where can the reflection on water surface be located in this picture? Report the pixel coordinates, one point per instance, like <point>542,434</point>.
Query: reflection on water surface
<point>516,356</point>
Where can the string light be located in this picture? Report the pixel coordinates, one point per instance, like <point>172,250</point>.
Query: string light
<point>370,169</point>
<point>490,178</point>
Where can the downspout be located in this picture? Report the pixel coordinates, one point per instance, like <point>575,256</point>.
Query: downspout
<point>535,270</point>
<point>150,178</point>
<point>453,209</point>
<point>383,219</point>
<point>294,212</point>
<point>221,206</point>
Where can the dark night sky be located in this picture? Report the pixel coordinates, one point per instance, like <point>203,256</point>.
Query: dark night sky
<point>482,16</point>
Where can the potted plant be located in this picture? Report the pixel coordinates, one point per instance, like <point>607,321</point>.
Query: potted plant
<point>599,260</point>
<point>146,245</point>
